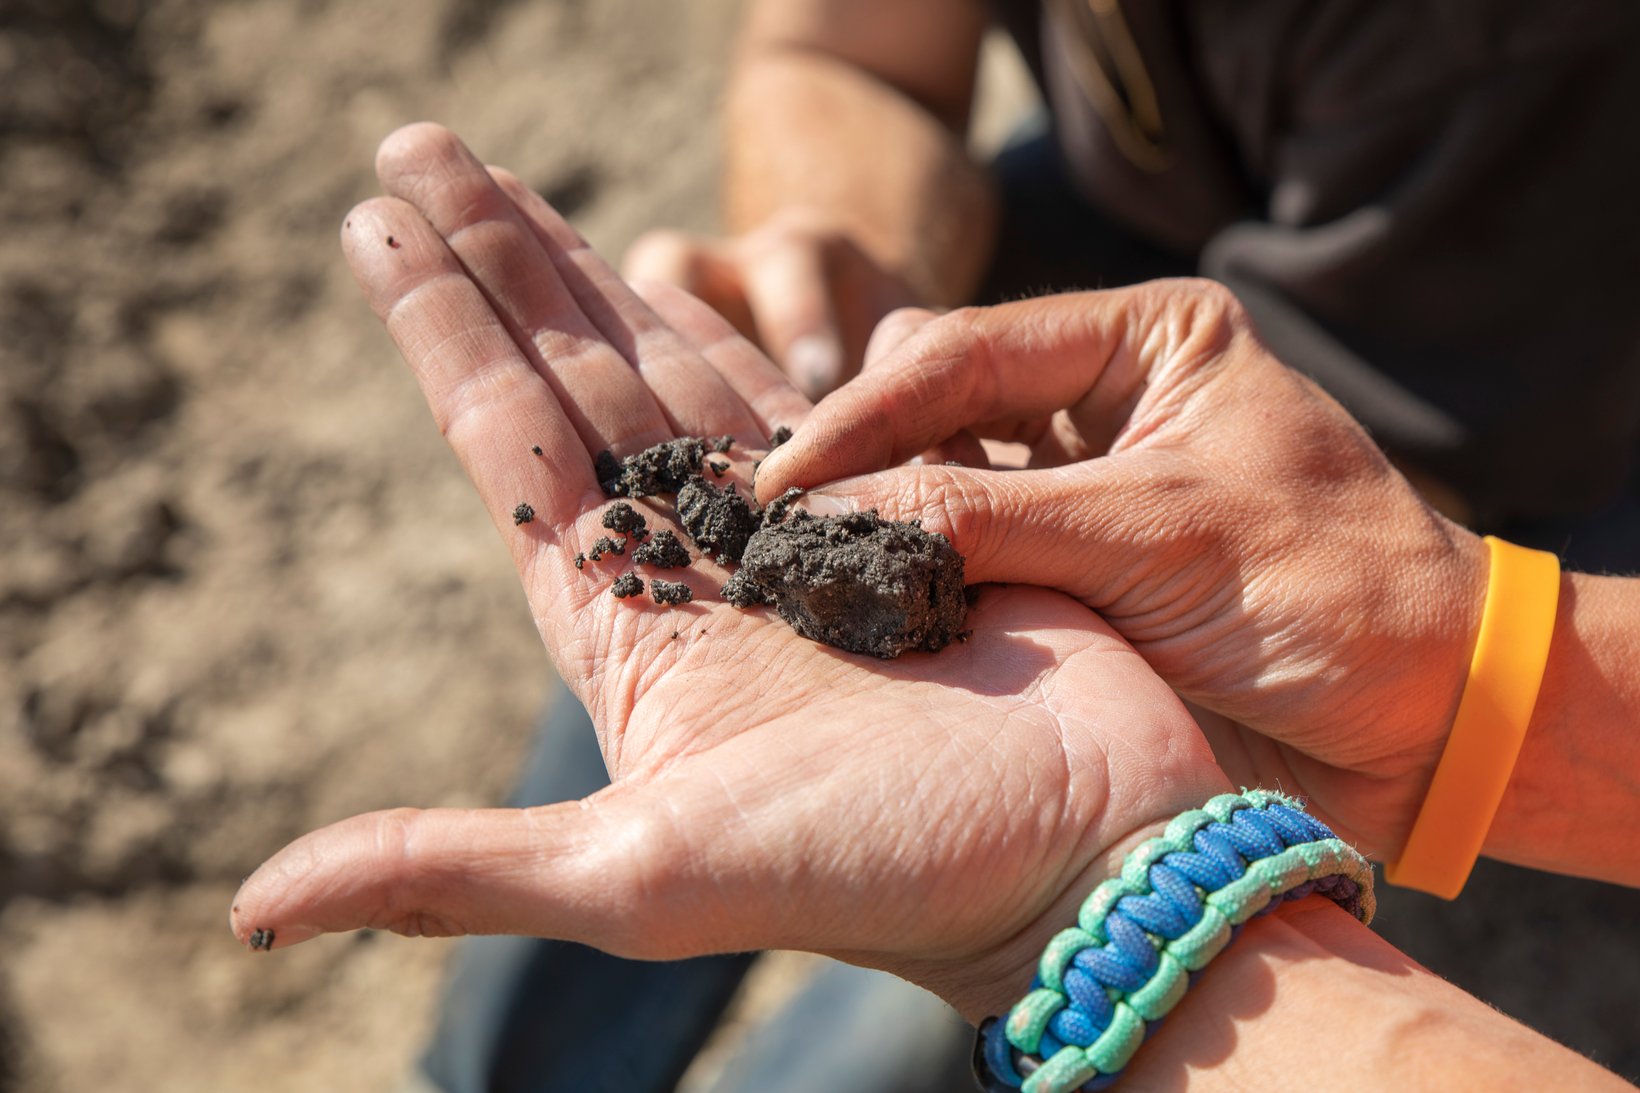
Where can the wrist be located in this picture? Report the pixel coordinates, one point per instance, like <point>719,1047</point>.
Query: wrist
<point>1142,938</point>
<point>995,979</point>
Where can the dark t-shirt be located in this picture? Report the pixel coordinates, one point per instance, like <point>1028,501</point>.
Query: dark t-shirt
<point>1431,207</point>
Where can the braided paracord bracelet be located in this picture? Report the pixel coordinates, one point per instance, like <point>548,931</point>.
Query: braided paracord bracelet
<point>1142,936</point>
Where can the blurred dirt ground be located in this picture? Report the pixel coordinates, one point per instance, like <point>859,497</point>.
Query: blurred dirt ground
<point>244,589</point>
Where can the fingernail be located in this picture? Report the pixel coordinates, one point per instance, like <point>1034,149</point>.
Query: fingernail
<point>826,504</point>
<point>815,362</point>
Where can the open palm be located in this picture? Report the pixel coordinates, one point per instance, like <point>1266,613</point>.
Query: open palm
<point>937,815</point>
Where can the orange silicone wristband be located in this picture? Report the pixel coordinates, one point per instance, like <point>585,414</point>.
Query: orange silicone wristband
<point>1522,593</point>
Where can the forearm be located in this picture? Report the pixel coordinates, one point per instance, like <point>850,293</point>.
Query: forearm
<point>1307,998</point>
<point>815,132</point>
<point>1573,803</point>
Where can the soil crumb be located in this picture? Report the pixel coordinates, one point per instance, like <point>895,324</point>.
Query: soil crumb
<point>627,584</point>
<point>857,582</point>
<point>580,560</point>
<point>523,514</point>
<point>782,433</point>
<point>719,521</point>
<point>722,444</point>
<point>780,507</point>
<point>664,551</point>
<point>623,518</point>
<point>661,469</point>
<point>718,469</point>
<point>606,545</point>
<point>670,591</point>
<point>262,940</point>
<point>535,449</point>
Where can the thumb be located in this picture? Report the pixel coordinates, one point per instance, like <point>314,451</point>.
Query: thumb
<point>1088,530</point>
<point>603,871</point>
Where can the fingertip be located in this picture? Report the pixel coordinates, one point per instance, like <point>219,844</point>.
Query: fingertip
<point>411,145</point>
<point>815,363</point>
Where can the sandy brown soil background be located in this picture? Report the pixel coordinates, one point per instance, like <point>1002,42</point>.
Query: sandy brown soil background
<point>244,588</point>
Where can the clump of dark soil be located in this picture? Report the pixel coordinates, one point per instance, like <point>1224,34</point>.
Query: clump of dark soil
<point>606,545</point>
<point>261,940</point>
<point>661,469</point>
<point>627,584</point>
<point>719,521</point>
<point>523,514</point>
<point>623,518</point>
<point>782,434</point>
<point>857,582</point>
<point>779,508</point>
<point>722,444</point>
<point>670,591</point>
<point>664,551</point>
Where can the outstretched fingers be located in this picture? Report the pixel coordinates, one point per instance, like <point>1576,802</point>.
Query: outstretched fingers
<point>694,398</point>
<point>601,393</point>
<point>489,402</point>
<point>754,378</point>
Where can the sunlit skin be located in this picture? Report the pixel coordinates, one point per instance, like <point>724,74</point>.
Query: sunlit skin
<point>939,815</point>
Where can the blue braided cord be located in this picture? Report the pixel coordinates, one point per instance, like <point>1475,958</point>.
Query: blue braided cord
<point>1212,842</point>
<point>1115,955</point>
<point>1088,995</point>
<point>1203,871</point>
<point>1177,889</point>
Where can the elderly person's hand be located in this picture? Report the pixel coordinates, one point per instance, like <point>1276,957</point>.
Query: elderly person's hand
<point>1217,509</point>
<point>938,815</point>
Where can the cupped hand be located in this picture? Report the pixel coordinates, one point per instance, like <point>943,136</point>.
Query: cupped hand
<point>1223,514</point>
<point>938,815</point>
<point>798,285</point>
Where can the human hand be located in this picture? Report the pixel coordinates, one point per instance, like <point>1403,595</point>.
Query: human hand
<point>798,285</point>
<point>937,815</point>
<point>1216,508</point>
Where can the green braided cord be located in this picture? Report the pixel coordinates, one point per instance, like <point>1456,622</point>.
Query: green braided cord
<point>1223,910</point>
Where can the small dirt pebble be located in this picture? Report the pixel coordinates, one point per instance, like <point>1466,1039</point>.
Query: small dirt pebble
<point>580,560</point>
<point>719,521</point>
<point>857,582</point>
<point>722,444</point>
<point>664,551</point>
<point>661,469</point>
<point>627,584</point>
<point>535,449</point>
<point>782,434</point>
<point>670,591</point>
<point>623,518</point>
<point>523,513</point>
<point>718,469</point>
<point>779,508</point>
<point>261,940</point>
<point>606,545</point>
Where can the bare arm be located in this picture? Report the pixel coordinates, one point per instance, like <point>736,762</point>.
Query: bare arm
<point>1573,804</point>
<point>849,191</point>
<point>854,111</point>
<point>1308,998</point>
